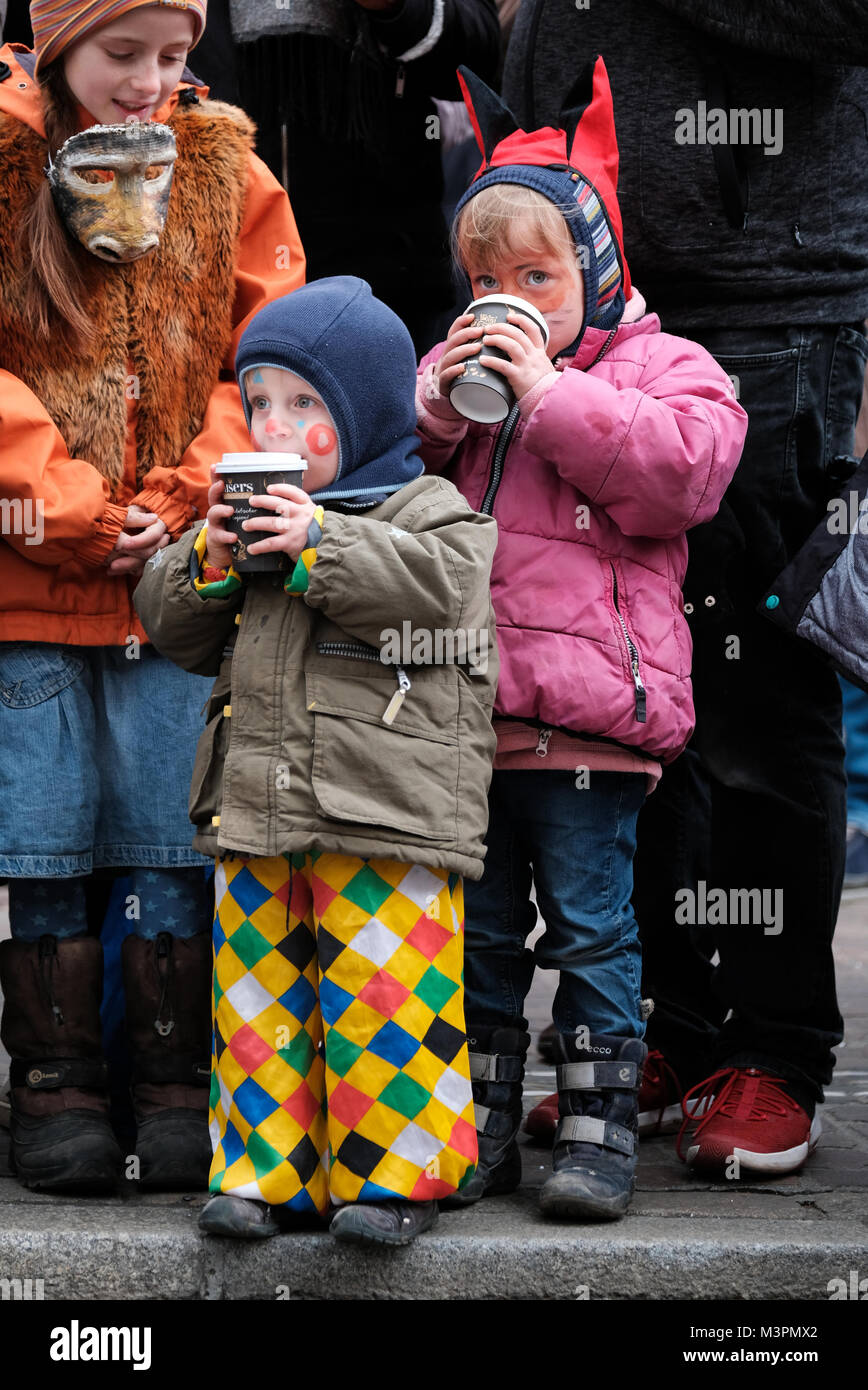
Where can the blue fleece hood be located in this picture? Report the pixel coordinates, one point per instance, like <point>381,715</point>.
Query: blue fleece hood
<point>358,357</point>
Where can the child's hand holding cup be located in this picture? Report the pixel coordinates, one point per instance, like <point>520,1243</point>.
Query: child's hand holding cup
<point>235,505</point>
<point>477,388</point>
<point>220,541</point>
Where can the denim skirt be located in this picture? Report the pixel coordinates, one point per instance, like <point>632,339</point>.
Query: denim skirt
<point>96,757</point>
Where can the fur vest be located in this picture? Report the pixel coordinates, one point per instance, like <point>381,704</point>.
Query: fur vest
<point>163,323</point>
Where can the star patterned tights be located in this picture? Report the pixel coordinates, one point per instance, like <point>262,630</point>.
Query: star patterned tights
<point>178,901</point>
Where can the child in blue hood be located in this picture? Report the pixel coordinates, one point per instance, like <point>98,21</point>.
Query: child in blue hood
<point>341,785</point>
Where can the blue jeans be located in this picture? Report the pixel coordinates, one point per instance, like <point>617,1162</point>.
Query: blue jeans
<point>96,759</point>
<point>856,754</point>
<point>577,845</point>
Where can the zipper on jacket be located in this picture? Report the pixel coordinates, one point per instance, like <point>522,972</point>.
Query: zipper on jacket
<point>507,430</point>
<point>542,747</point>
<point>530,111</point>
<point>363,651</point>
<point>631,652</point>
<point>397,699</point>
<point>356,651</point>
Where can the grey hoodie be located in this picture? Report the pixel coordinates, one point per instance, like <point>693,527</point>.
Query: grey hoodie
<point>723,235</point>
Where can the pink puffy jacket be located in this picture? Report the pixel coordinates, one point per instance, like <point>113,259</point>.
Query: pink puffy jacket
<point>594,482</point>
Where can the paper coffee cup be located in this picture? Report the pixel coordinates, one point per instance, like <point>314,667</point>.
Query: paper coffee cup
<point>248,475</point>
<point>481,393</point>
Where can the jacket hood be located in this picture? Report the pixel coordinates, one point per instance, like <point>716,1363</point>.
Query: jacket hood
<point>20,94</point>
<point>575,166</point>
<point>358,356</point>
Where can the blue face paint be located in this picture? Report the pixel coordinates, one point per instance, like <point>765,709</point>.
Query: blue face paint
<point>257,378</point>
<point>299,424</point>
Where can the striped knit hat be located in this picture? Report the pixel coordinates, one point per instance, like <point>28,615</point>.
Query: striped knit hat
<point>57,24</point>
<point>576,167</point>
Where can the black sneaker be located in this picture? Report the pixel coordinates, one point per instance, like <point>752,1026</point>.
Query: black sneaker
<point>595,1150</point>
<point>241,1217</point>
<point>383,1223</point>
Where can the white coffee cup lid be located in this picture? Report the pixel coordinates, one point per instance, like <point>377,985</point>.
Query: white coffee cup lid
<point>521,305</point>
<point>259,463</point>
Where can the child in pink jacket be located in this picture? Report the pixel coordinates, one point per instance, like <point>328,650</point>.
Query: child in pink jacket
<point>621,438</point>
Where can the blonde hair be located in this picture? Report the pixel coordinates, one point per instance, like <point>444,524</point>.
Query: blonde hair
<point>507,217</point>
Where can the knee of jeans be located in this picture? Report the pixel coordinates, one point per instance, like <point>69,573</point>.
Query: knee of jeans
<point>586,941</point>
<point>496,937</point>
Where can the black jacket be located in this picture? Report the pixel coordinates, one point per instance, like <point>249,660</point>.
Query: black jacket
<point>723,235</point>
<point>369,204</point>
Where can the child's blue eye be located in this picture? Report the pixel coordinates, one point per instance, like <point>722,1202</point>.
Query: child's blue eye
<point>259,403</point>
<point>538,277</point>
<point>304,401</point>
<point>487,281</point>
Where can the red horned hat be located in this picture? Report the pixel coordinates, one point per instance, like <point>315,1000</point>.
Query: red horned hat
<point>575,165</point>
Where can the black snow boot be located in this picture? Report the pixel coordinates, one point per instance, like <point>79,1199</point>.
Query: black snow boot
<point>167,983</point>
<point>596,1141</point>
<point>62,1138</point>
<point>497,1057</point>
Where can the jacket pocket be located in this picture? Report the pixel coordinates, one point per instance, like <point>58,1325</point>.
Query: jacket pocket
<point>844,396</point>
<point>400,774</point>
<point>33,672</point>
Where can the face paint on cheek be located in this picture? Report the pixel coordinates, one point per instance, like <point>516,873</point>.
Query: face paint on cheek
<point>551,302</point>
<point>321,439</point>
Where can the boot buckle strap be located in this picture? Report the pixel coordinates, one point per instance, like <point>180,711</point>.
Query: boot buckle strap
<point>588,1129</point>
<point>486,1066</point>
<point>52,1075</point>
<point>597,1076</point>
<point>173,1068</point>
<point>493,1124</point>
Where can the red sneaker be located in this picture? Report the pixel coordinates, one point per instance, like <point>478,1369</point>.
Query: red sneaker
<point>749,1117</point>
<point>660,1097</point>
<point>542,1121</point>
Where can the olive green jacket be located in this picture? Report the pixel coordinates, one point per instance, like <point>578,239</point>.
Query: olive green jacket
<point>296,754</point>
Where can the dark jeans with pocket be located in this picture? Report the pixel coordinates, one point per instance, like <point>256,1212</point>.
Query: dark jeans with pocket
<point>758,800</point>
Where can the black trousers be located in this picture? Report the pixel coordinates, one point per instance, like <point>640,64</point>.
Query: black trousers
<point>758,800</point>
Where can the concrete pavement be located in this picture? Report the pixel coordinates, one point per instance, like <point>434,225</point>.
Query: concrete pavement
<point>682,1239</point>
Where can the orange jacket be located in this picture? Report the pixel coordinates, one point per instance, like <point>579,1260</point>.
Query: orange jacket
<point>56,588</point>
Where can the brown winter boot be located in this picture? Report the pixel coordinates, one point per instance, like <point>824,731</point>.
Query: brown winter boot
<point>61,1134</point>
<point>167,983</point>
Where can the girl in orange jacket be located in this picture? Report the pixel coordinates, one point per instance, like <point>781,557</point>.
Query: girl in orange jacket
<point>138,235</point>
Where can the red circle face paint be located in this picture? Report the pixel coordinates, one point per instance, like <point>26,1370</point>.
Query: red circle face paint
<point>321,439</point>
<point>272,427</point>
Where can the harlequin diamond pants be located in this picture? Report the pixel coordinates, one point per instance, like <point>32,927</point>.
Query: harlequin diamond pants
<point>339,1068</point>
